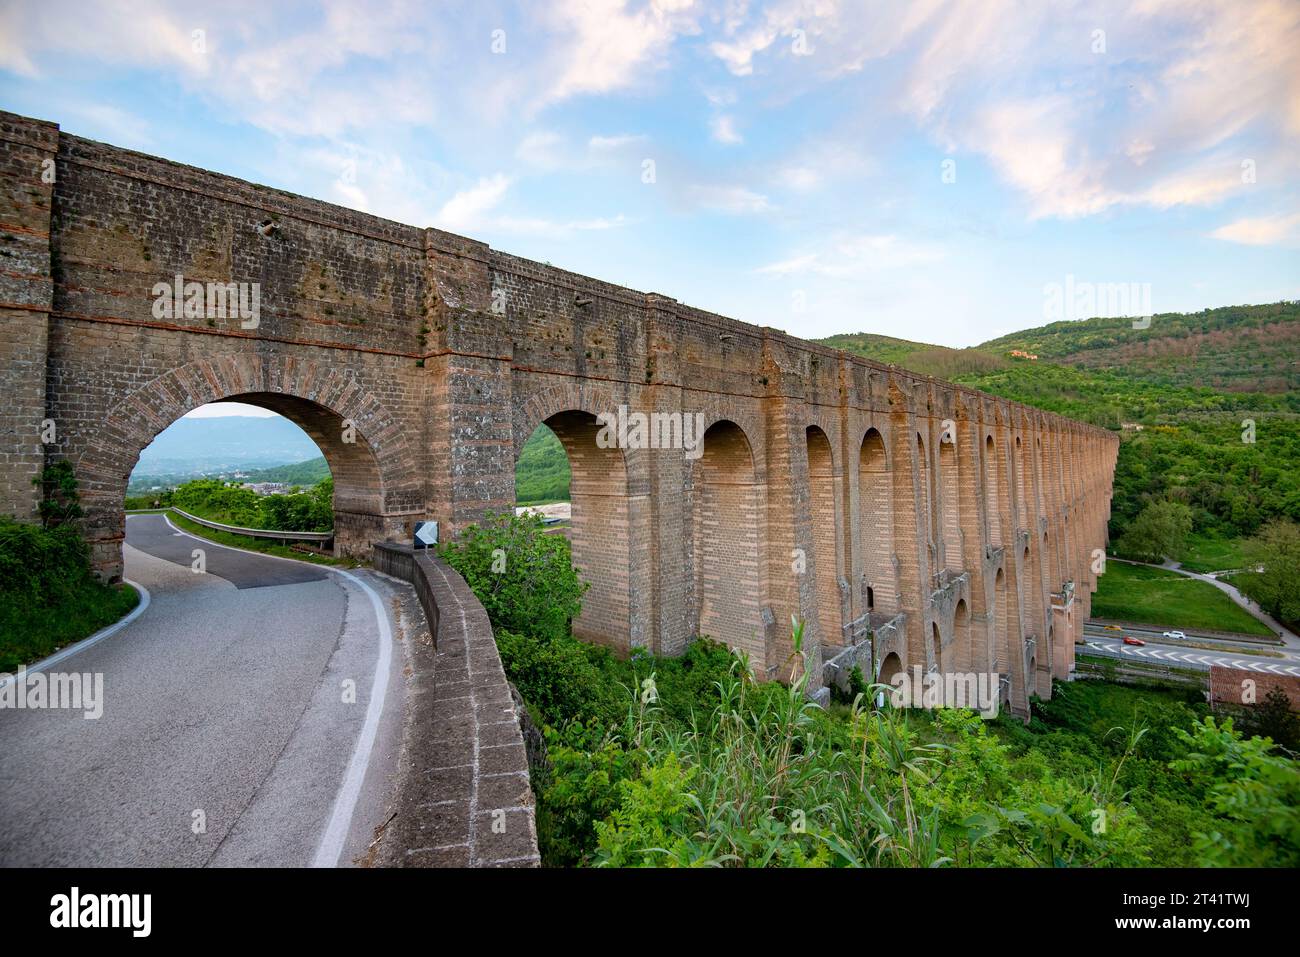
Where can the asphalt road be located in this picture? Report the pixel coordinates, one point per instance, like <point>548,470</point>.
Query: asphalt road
<point>1175,654</point>
<point>228,735</point>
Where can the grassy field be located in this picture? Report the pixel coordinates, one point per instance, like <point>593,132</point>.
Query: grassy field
<point>1138,593</point>
<point>263,545</point>
<point>1205,553</point>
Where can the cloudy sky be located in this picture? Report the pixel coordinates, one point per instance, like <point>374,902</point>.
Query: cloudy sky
<point>922,170</point>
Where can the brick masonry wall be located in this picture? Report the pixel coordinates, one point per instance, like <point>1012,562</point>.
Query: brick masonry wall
<point>466,800</point>
<point>1229,687</point>
<point>443,355</point>
<point>27,172</point>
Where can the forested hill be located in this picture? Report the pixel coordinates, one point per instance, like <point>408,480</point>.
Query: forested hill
<point>1232,349</point>
<point>1106,372</point>
<point>299,473</point>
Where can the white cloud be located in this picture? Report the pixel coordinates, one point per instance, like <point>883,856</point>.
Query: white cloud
<point>555,229</point>
<point>551,151</point>
<point>745,41</point>
<point>736,200</point>
<point>473,211</point>
<point>114,125</point>
<point>800,178</point>
<point>615,142</point>
<point>1154,121</point>
<point>611,47</point>
<point>724,130</point>
<point>853,257</point>
<point>465,211</point>
<point>221,410</point>
<point>545,149</point>
<point>1260,230</point>
<point>384,182</point>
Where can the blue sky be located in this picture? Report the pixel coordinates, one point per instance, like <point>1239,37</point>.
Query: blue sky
<point>798,147</point>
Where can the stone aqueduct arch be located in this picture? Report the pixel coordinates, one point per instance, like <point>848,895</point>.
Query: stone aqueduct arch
<point>822,491</point>
<point>374,468</point>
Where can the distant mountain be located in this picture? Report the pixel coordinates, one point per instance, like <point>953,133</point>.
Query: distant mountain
<point>298,473</point>
<point>193,447</point>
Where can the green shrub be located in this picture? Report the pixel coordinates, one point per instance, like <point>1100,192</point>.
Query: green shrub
<point>579,789</point>
<point>524,577</point>
<point>48,597</point>
<point>564,679</point>
<point>1254,793</point>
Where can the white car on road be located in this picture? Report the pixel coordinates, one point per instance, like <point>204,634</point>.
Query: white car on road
<point>1176,635</point>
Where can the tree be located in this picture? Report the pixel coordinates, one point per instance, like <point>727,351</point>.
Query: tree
<point>1277,548</point>
<point>1273,718</point>
<point>1160,529</point>
<point>524,577</point>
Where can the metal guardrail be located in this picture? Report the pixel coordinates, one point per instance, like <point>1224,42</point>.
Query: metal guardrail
<point>256,532</point>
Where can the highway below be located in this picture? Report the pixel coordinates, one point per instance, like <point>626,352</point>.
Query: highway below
<point>1173,653</point>
<point>252,715</point>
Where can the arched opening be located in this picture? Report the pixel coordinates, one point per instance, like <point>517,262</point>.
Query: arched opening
<point>1043,683</point>
<point>241,465</point>
<point>926,529</point>
<point>266,461</point>
<point>991,497</point>
<point>542,474</point>
<point>1030,597</point>
<point>952,556</point>
<point>961,640</point>
<point>379,488</point>
<point>1038,475</point>
<point>876,522</point>
<point>725,541</point>
<point>597,525</point>
<point>1004,624</point>
<point>936,648</point>
<point>1031,679</point>
<point>1022,493</point>
<point>825,534</point>
<point>891,666</point>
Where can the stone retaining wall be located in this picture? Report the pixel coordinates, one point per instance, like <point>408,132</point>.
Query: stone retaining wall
<point>468,802</point>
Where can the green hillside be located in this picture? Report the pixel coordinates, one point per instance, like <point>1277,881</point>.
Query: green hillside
<point>299,473</point>
<point>1231,349</point>
<point>542,473</point>
<point>918,356</point>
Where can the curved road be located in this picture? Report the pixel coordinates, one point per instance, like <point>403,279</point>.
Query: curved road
<point>238,725</point>
<point>1165,651</point>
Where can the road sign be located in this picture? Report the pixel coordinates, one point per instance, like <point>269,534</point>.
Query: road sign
<point>426,534</point>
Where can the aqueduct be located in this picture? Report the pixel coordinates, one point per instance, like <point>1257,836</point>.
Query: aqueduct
<point>909,521</point>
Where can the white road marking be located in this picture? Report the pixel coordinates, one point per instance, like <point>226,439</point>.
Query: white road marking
<point>340,822</point>
<point>1278,668</point>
